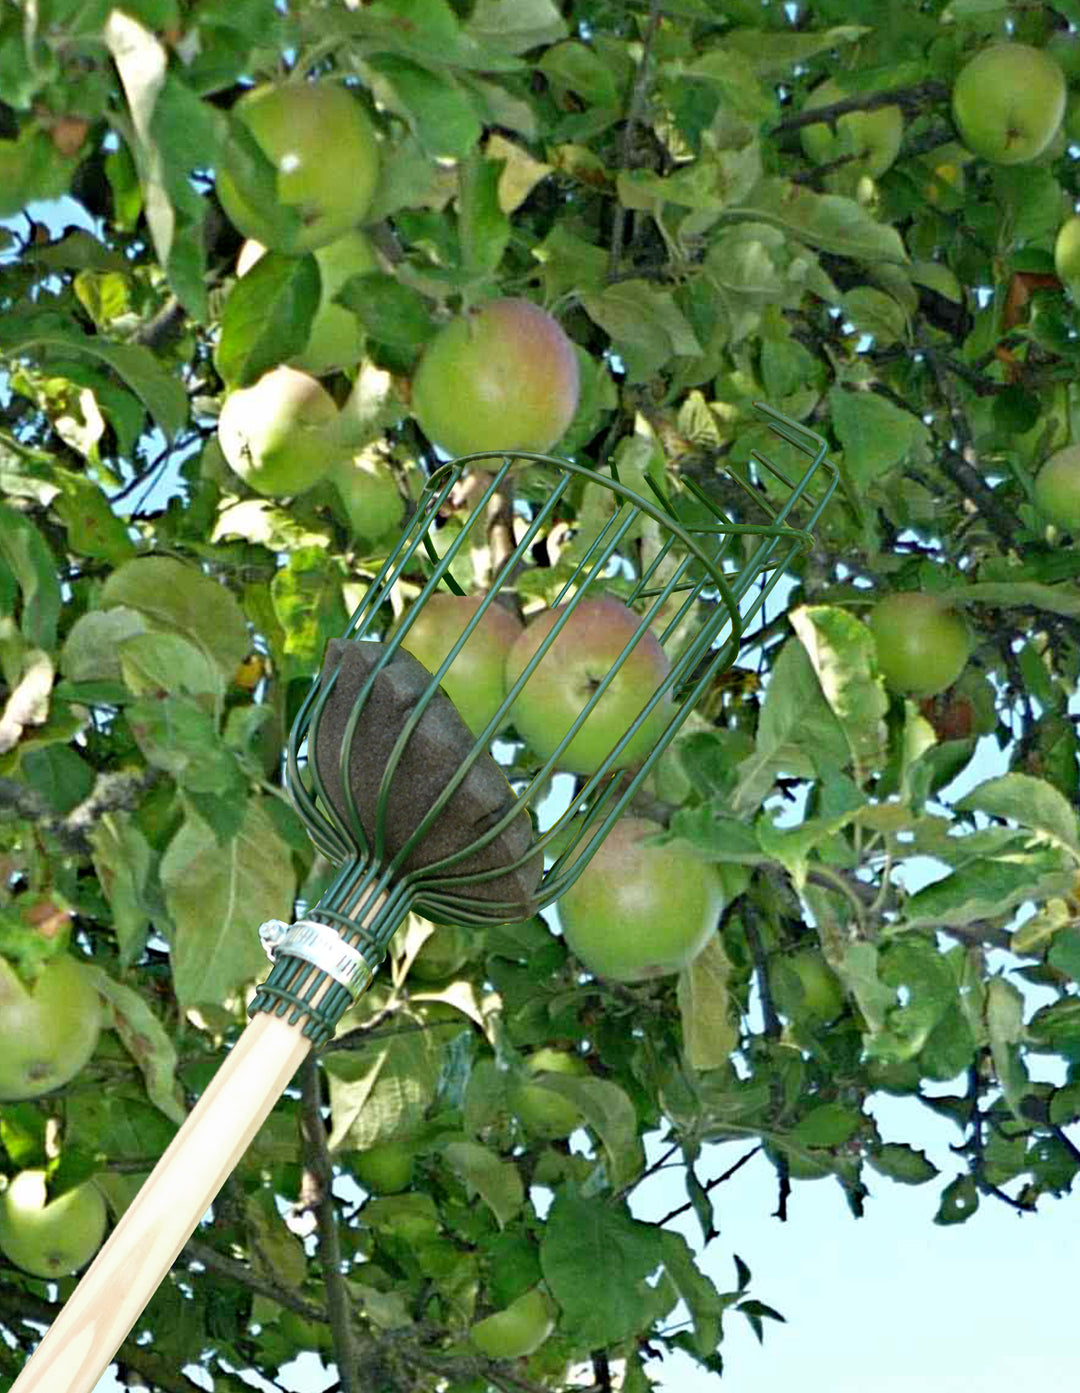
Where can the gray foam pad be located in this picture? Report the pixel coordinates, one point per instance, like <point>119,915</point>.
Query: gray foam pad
<point>431,756</point>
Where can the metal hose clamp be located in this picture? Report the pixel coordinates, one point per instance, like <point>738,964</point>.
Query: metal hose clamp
<point>321,946</point>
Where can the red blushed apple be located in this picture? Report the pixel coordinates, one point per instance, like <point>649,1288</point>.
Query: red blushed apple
<point>502,377</point>
<point>569,673</point>
<point>639,911</point>
<point>476,680</point>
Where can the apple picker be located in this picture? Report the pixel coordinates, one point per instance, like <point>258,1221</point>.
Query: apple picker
<point>416,815</point>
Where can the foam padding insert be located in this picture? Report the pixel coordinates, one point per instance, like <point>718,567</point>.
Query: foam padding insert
<point>431,756</point>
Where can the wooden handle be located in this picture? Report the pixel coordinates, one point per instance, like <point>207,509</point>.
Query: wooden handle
<point>81,1343</point>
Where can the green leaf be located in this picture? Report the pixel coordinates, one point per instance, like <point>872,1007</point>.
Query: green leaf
<point>645,324</point>
<point>122,862</point>
<point>214,895</point>
<point>148,1043</point>
<point>483,227</point>
<point>485,1174</point>
<point>162,111</point>
<point>609,1112</point>
<point>76,251</point>
<point>1032,803</point>
<point>573,66</point>
<point>841,651</point>
<point>901,1162</point>
<point>786,366</point>
<point>874,434</point>
<point>581,1238</point>
<point>710,1020</point>
<point>179,598</point>
<point>1005,1025</point>
<point>988,887</point>
<point>50,334</point>
<point>1055,599</point>
<point>516,25</point>
<point>158,663</point>
<point>1064,953</point>
<point>570,262</point>
<point>916,970</point>
<point>736,81</point>
<point>26,563</point>
<point>391,312</point>
<point>93,529</point>
<point>959,1201</point>
<point>440,113</point>
<point>178,736</point>
<point>774,51</point>
<point>797,732</point>
<point>428,31</point>
<point>829,1125</point>
<point>827,221</point>
<point>703,1301</point>
<point>707,184</point>
<point>267,317</point>
<point>873,312</point>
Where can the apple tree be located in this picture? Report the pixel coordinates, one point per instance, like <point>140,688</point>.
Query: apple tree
<point>260,265</point>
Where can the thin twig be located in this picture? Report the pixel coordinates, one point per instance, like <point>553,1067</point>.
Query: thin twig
<point>633,116</point>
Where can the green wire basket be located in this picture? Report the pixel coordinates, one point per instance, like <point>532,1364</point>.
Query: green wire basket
<point>387,848</point>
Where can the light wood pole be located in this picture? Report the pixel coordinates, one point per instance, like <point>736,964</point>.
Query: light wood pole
<point>114,1290</point>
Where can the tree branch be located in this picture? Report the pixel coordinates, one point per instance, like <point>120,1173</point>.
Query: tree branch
<point>18,1307</point>
<point>111,792</point>
<point>633,116</point>
<point>318,1179</point>
<point>909,99</point>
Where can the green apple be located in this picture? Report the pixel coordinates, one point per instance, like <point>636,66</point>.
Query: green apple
<point>442,954</point>
<point>873,137</point>
<point>1008,102</point>
<point>278,433</point>
<point>502,377</point>
<point>541,1111</point>
<point>569,673</point>
<point>638,912</point>
<point>412,1219</point>
<point>385,1168</point>
<point>326,155</point>
<point>476,680</point>
<point>369,494</point>
<point>50,1238</point>
<point>806,985</point>
<point>922,644</point>
<point>1067,254</point>
<point>519,1329</point>
<point>1057,488</point>
<point>47,1032</point>
<point>336,339</point>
